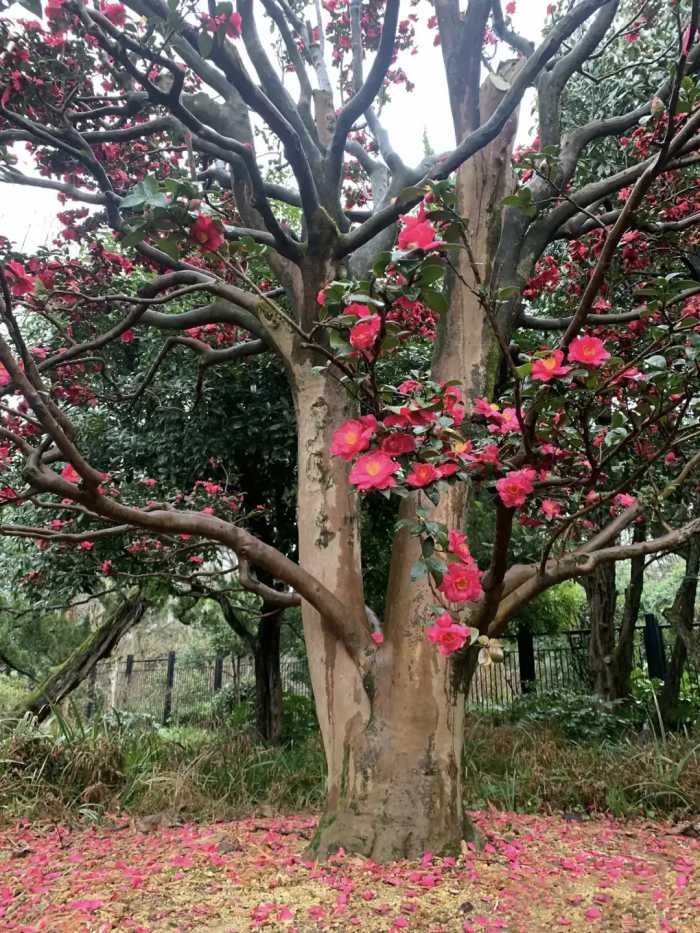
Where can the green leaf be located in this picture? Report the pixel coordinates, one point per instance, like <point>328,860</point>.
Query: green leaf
<point>205,41</point>
<point>431,272</point>
<point>418,570</point>
<point>657,362</point>
<point>436,301</point>
<point>34,6</point>
<point>381,262</point>
<point>427,547</point>
<point>510,291</point>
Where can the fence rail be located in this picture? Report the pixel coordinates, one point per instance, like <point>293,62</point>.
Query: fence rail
<point>174,689</point>
<point>171,689</point>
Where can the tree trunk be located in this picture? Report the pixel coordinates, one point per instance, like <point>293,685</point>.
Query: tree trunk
<point>268,680</point>
<point>623,659</point>
<point>602,599</point>
<point>78,666</point>
<point>681,616</point>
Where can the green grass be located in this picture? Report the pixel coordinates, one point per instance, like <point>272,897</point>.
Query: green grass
<point>76,772</point>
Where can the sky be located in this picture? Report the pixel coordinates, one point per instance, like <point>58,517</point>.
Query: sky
<point>27,215</point>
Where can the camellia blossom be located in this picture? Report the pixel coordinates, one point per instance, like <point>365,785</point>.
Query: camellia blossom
<point>358,310</point>
<point>417,232</point>
<point>549,368</point>
<point>353,437</point>
<point>115,13</point>
<point>588,350</point>
<point>363,335</point>
<point>514,488</point>
<point>207,232</point>
<point>462,582</point>
<point>457,545</point>
<point>447,634</point>
<point>5,377</point>
<point>397,443</point>
<point>488,409</point>
<point>70,474</point>
<point>374,471</point>
<point>21,283</point>
<point>550,508</point>
<point>422,474</point>
<point>625,500</point>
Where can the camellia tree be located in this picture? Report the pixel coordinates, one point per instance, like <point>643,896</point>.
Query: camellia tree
<point>563,386</point>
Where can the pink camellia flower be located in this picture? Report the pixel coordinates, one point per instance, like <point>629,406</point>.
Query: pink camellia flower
<point>550,508</point>
<point>115,13</point>
<point>353,437</point>
<point>515,487</point>
<point>358,310</point>
<point>128,336</point>
<point>70,474</point>
<point>447,634</point>
<point>321,298</point>
<point>408,386</point>
<point>453,400</point>
<point>588,350</point>
<point>549,368</point>
<point>505,422</point>
<point>86,545</point>
<point>671,458</point>
<point>5,377</point>
<point>448,469</point>
<point>457,545</point>
<point>7,493</point>
<point>397,443</point>
<point>625,500</point>
<point>488,409</point>
<point>377,638</point>
<point>106,567</point>
<point>422,474</point>
<point>374,471</point>
<point>207,232</point>
<point>462,582</point>
<point>417,232</point>
<point>21,282</point>
<point>363,335</point>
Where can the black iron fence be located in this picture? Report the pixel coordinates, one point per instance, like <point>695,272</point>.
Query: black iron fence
<point>543,663</point>
<point>174,689</point>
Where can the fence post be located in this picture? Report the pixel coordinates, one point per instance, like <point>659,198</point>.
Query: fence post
<point>218,671</point>
<point>170,680</point>
<point>526,659</point>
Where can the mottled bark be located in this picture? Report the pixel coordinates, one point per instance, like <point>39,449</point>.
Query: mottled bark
<point>392,720</point>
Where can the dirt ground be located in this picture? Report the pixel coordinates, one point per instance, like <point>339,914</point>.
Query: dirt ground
<point>535,873</point>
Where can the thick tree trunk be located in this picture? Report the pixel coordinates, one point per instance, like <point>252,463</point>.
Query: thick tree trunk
<point>78,666</point>
<point>623,659</point>
<point>687,645</point>
<point>268,679</point>
<point>392,719</point>
<point>602,599</point>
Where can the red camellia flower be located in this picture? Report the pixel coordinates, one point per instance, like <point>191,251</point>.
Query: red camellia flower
<point>422,474</point>
<point>21,282</point>
<point>86,545</point>
<point>353,437</point>
<point>625,500</point>
<point>588,350</point>
<point>115,13</point>
<point>516,487</point>
<point>364,334</point>
<point>358,310</point>
<point>550,367</point>
<point>418,232</point>
<point>5,378</point>
<point>397,444</point>
<point>462,582</point>
<point>207,232</point>
<point>550,508</point>
<point>457,545</point>
<point>374,471</point>
<point>447,634</point>
<point>70,474</point>
<point>106,567</point>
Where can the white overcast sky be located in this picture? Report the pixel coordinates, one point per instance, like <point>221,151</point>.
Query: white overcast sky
<point>27,216</point>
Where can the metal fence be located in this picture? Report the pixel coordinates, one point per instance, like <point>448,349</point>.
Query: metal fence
<point>174,689</point>
<point>543,663</point>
